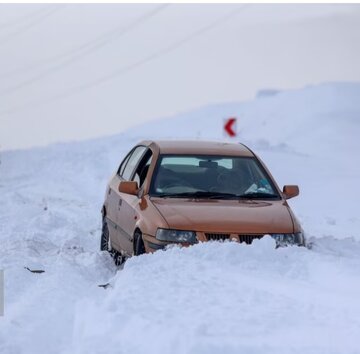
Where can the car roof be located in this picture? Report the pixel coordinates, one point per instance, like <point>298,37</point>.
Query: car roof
<point>200,147</point>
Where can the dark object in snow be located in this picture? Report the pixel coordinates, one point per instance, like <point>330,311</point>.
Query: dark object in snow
<point>38,271</point>
<point>105,286</point>
<point>310,245</point>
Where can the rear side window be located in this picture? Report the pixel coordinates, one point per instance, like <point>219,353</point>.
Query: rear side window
<point>132,162</point>
<point>123,164</point>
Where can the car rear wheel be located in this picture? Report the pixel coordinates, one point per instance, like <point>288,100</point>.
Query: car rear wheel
<point>105,238</point>
<point>105,245</point>
<point>139,247</point>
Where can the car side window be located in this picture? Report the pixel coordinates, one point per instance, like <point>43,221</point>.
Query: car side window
<point>132,162</point>
<point>143,168</point>
<point>123,164</point>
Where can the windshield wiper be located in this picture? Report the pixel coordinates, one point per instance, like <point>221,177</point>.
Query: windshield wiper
<point>259,195</point>
<point>199,194</point>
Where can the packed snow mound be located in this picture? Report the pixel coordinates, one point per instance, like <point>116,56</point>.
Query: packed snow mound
<point>229,298</point>
<point>213,297</point>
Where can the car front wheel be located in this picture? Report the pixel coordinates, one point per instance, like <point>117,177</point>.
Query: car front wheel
<point>139,247</point>
<point>105,245</point>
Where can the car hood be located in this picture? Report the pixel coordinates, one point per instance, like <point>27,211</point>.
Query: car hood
<point>226,216</point>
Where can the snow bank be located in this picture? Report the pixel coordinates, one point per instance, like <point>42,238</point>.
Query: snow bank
<point>228,298</point>
<point>208,298</point>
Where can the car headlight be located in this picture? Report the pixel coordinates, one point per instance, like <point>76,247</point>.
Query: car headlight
<point>289,239</point>
<point>176,235</point>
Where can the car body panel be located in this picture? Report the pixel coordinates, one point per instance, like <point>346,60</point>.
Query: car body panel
<point>111,206</point>
<point>200,147</point>
<point>230,216</point>
<point>127,220</point>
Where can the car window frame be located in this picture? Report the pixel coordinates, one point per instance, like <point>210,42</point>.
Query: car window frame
<point>140,161</point>
<point>126,160</point>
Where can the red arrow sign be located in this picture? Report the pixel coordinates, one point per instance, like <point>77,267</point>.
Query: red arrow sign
<point>230,126</point>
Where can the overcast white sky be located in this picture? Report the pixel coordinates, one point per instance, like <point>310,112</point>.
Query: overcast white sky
<point>53,58</point>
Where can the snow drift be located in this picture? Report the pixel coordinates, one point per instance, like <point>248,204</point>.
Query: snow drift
<point>209,298</point>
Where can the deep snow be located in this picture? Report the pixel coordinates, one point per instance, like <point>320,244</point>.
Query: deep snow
<point>209,298</point>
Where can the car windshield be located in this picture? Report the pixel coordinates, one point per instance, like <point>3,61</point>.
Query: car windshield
<point>217,177</point>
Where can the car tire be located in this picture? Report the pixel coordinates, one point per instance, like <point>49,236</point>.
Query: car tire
<point>105,245</point>
<point>105,238</point>
<point>139,247</point>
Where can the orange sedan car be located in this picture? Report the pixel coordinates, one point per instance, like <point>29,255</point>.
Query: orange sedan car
<point>184,192</point>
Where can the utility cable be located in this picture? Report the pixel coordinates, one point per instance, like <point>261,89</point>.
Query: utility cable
<point>31,24</point>
<point>79,51</point>
<point>23,18</point>
<point>96,82</point>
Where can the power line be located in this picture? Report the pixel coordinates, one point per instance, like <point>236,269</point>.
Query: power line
<point>80,51</point>
<point>93,47</point>
<point>23,18</point>
<point>156,55</point>
<point>33,23</point>
<point>79,88</point>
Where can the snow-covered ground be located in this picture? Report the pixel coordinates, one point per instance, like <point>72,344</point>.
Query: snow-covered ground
<point>209,298</point>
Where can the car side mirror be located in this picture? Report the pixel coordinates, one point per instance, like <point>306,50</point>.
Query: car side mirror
<point>290,191</point>
<point>129,187</point>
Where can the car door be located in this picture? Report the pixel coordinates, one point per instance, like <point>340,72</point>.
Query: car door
<point>128,215</point>
<point>112,201</point>
<point>126,204</point>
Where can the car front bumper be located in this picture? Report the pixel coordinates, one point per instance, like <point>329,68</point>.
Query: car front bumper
<point>152,244</point>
